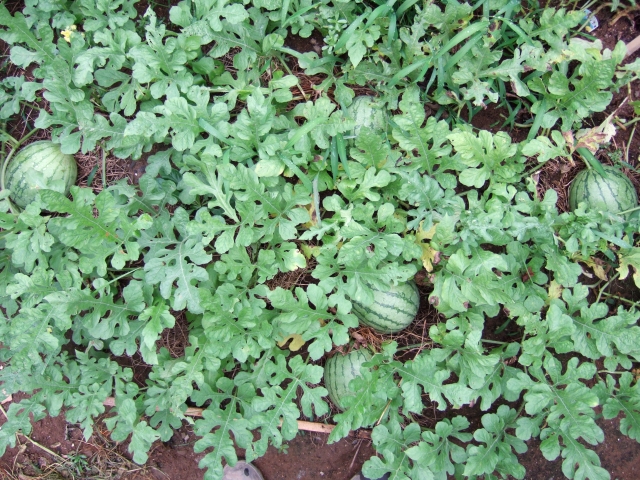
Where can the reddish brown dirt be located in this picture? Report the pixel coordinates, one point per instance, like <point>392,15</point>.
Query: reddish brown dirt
<point>307,457</point>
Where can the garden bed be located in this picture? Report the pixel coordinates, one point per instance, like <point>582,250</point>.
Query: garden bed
<point>233,207</point>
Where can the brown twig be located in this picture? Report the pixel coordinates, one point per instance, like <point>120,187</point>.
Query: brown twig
<point>355,455</point>
<point>42,447</point>
<point>633,45</point>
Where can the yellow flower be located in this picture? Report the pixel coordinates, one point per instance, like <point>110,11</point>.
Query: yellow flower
<point>67,33</point>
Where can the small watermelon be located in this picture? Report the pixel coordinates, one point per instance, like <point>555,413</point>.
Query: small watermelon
<point>39,165</point>
<point>613,193</point>
<point>340,370</point>
<point>392,310</point>
<point>367,112</point>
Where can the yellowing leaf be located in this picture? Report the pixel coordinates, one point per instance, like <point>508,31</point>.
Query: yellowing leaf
<point>599,271</point>
<point>555,290</point>
<point>430,256</point>
<point>592,138</point>
<point>311,208</point>
<point>421,234</point>
<point>309,252</point>
<point>568,137</point>
<point>597,268</point>
<point>296,342</point>
<point>629,258</point>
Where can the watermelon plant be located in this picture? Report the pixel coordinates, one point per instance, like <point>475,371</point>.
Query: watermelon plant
<point>245,232</point>
<point>39,165</point>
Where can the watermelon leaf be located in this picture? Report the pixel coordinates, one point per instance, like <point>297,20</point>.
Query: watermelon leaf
<point>626,401</point>
<point>41,49</point>
<point>423,374</point>
<point>316,323</point>
<point>393,441</point>
<point>425,146</point>
<point>436,452</point>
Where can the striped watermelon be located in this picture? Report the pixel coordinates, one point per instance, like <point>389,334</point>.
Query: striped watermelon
<point>392,310</point>
<point>340,370</point>
<point>39,165</point>
<point>367,112</point>
<point>613,193</point>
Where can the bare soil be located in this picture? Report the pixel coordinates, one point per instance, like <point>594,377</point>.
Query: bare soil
<point>307,457</point>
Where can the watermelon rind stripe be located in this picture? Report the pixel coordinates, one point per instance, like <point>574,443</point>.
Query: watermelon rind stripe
<point>612,194</point>
<point>373,318</point>
<point>402,306</point>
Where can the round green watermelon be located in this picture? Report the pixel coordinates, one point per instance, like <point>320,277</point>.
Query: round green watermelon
<point>392,310</point>
<point>340,370</point>
<point>367,111</point>
<point>39,165</point>
<point>613,193</point>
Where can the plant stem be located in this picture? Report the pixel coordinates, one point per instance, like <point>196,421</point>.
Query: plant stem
<point>123,275</point>
<point>593,285</point>
<point>286,67</point>
<point>626,153</point>
<point>415,345</point>
<point>628,211</point>
<point>588,158</point>
<point>104,166</point>
<point>606,285</point>
<point>630,122</point>
<point>387,406</point>
<point>27,104</point>
<point>10,138</point>
<point>633,304</point>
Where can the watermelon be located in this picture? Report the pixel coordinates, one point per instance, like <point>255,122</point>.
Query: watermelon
<point>340,370</point>
<point>392,310</point>
<point>39,165</point>
<point>367,112</point>
<point>613,193</point>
